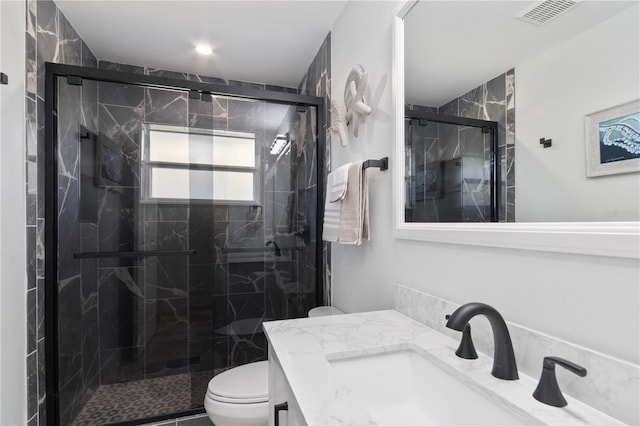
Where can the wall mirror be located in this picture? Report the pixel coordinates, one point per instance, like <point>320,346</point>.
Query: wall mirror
<point>491,101</point>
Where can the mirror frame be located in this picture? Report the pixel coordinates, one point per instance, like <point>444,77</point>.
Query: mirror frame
<point>616,239</point>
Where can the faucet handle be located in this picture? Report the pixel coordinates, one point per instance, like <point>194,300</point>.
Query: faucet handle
<point>466,350</point>
<point>548,391</point>
<point>550,361</point>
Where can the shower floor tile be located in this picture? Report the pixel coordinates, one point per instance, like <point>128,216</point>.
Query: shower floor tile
<point>143,399</point>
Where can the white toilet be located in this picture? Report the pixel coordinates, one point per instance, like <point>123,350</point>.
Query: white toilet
<point>240,396</point>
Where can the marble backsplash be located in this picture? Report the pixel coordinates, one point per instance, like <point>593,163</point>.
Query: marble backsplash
<point>611,385</point>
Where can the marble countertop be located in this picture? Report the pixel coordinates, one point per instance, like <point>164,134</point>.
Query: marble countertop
<point>304,347</point>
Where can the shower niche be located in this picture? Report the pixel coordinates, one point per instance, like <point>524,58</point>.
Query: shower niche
<point>180,216</point>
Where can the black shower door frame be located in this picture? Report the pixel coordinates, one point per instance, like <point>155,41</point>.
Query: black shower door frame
<point>74,75</point>
<point>486,126</point>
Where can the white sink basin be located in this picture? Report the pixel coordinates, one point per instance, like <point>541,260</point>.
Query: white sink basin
<point>404,387</point>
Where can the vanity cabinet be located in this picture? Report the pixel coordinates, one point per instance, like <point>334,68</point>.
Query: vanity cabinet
<point>280,392</point>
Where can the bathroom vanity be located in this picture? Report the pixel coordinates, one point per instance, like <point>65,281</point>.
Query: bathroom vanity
<point>280,394</point>
<point>385,368</point>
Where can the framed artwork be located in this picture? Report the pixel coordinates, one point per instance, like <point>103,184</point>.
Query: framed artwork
<point>612,138</point>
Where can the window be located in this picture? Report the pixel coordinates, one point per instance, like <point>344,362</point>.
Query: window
<point>192,164</point>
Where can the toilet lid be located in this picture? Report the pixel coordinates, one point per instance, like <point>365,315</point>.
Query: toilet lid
<point>246,382</point>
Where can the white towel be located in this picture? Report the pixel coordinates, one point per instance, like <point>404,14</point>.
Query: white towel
<point>338,184</point>
<point>331,228</point>
<point>346,220</point>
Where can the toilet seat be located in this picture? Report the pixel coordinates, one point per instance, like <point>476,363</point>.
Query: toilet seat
<point>219,398</point>
<point>246,384</point>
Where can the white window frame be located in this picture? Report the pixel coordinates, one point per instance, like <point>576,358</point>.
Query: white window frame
<point>146,165</point>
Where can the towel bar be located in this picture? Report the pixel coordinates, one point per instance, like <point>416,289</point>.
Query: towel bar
<point>382,163</point>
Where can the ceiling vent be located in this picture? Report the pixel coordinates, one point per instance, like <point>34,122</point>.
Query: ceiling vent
<point>542,12</point>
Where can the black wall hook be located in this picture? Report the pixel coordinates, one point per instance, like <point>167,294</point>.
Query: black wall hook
<point>546,143</point>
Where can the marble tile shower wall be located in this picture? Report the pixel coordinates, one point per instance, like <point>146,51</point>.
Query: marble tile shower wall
<point>78,358</point>
<point>289,208</point>
<point>317,82</point>
<point>51,38</point>
<point>495,101</point>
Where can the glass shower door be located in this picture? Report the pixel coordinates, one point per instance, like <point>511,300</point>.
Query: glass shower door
<point>448,172</point>
<point>183,223</point>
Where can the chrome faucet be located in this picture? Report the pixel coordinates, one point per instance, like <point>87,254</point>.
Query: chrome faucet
<point>504,361</point>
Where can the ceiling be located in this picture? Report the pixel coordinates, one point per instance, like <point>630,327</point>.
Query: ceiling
<point>452,47</point>
<point>271,42</point>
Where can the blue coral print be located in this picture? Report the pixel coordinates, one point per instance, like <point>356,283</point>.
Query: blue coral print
<point>620,138</point>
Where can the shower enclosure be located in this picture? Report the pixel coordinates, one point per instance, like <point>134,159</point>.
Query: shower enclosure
<point>451,168</point>
<point>180,215</point>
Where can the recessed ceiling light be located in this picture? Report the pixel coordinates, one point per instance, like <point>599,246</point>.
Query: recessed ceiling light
<point>203,49</point>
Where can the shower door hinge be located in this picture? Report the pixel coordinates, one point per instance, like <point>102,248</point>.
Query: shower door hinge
<point>485,129</point>
<point>74,81</point>
<point>4,79</point>
<point>301,108</point>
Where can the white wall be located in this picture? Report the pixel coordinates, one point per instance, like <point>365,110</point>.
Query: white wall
<point>362,275</point>
<point>13,279</point>
<point>592,301</point>
<point>596,70</point>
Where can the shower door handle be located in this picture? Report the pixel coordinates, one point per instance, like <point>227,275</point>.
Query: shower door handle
<point>276,412</point>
